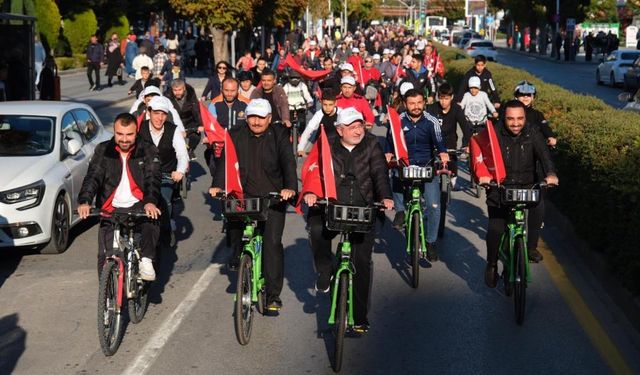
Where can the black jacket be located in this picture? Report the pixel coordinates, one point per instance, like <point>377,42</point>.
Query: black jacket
<point>105,171</point>
<point>190,111</point>
<point>449,123</point>
<point>369,166</point>
<point>520,155</point>
<point>536,118</point>
<point>278,160</point>
<point>486,84</point>
<point>138,86</point>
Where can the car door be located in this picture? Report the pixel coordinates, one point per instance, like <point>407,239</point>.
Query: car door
<point>77,164</point>
<point>606,67</point>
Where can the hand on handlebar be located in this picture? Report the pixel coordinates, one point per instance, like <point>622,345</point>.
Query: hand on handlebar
<point>444,156</point>
<point>551,180</point>
<point>287,123</point>
<point>84,210</point>
<point>215,191</point>
<point>177,176</point>
<point>388,204</point>
<point>152,211</point>
<point>310,199</point>
<point>287,194</point>
<point>484,181</point>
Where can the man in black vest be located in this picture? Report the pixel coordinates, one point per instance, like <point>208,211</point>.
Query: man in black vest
<point>172,151</point>
<point>185,101</point>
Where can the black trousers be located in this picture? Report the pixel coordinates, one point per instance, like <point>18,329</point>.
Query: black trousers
<point>497,223</point>
<point>362,246</point>
<point>272,249</point>
<point>193,138</point>
<point>93,67</point>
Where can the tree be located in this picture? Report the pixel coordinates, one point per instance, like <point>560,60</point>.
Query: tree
<point>47,22</point>
<point>452,9</point>
<point>120,26</point>
<point>78,28</point>
<point>364,10</point>
<point>602,11</point>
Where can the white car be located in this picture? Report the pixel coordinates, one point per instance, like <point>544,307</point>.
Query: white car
<point>615,65</point>
<point>45,148</point>
<point>475,47</point>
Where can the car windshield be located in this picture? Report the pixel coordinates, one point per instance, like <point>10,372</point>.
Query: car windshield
<point>26,135</point>
<point>483,44</point>
<point>629,55</point>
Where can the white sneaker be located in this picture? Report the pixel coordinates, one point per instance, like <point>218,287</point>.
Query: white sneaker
<point>147,272</point>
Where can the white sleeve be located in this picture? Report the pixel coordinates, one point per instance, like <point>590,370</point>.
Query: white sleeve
<point>312,126</point>
<point>180,148</point>
<point>463,102</point>
<point>307,97</point>
<point>485,97</point>
<point>135,105</point>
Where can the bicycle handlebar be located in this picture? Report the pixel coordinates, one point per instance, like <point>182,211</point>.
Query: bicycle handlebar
<point>541,184</point>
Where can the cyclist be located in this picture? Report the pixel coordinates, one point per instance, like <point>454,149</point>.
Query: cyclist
<point>476,102</point>
<point>276,97</point>
<point>348,98</point>
<point>326,116</point>
<point>172,151</point>
<point>522,147</point>
<point>124,172</point>
<point>450,117</point>
<point>266,164</point>
<point>185,101</point>
<point>420,77</point>
<point>139,107</point>
<point>298,98</point>
<point>486,80</point>
<point>361,179</point>
<point>526,93</point>
<point>246,86</point>
<point>422,136</point>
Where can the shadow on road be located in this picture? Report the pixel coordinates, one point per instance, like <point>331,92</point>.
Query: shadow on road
<point>12,343</point>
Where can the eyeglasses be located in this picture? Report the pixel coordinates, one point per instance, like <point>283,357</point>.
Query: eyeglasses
<point>222,68</point>
<point>527,95</point>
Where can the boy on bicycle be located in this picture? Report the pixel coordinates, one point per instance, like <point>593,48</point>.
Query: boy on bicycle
<point>361,176</point>
<point>475,103</point>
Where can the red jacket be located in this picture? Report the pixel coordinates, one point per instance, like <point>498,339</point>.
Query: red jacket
<point>359,103</point>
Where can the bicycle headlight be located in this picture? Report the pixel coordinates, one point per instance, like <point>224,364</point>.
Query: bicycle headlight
<point>24,193</point>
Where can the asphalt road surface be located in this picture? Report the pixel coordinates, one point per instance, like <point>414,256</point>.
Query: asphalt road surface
<point>451,324</point>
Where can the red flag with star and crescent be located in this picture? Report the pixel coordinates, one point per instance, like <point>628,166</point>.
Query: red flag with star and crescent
<point>317,172</point>
<point>309,74</point>
<point>232,183</point>
<point>397,135</point>
<point>486,155</point>
<point>212,128</point>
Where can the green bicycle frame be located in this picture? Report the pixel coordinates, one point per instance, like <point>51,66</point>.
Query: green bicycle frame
<point>344,251</point>
<point>411,207</point>
<point>515,229</point>
<point>252,245</point>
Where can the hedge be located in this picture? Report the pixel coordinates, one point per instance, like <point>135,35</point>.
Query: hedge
<point>48,22</point>
<point>78,30</point>
<point>598,161</point>
<point>74,62</point>
<point>120,27</point>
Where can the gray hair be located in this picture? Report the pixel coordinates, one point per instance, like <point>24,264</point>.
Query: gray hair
<point>178,82</point>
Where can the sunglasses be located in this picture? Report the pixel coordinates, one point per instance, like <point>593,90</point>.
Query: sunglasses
<point>527,95</point>
<point>222,68</point>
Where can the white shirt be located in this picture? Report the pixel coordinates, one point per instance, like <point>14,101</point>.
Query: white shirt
<point>178,144</point>
<point>123,197</point>
<point>311,127</point>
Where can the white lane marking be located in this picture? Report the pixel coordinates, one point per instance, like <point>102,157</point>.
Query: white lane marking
<point>154,346</point>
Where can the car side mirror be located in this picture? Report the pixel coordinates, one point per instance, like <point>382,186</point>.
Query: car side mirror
<point>625,97</point>
<point>73,146</point>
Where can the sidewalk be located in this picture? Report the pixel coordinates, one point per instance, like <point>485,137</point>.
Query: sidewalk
<point>501,44</point>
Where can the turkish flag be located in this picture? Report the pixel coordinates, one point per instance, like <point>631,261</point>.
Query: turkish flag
<point>399,144</point>
<point>317,171</point>
<point>400,73</point>
<point>141,119</point>
<point>212,129</point>
<point>232,184</point>
<point>313,75</point>
<point>486,156</point>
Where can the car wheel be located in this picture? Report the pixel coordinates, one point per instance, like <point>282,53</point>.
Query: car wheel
<point>59,228</point>
<point>612,79</point>
<point>598,80</point>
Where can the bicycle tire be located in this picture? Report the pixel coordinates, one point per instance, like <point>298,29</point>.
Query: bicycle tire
<point>294,139</point>
<point>415,249</point>
<point>340,325</point>
<point>184,186</point>
<point>138,305</point>
<point>110,323</point>
<point>508,285</point>
<point>520,281</point>
<point>243,312</point>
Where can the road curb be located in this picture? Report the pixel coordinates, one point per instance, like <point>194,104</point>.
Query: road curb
<point>598,265</point>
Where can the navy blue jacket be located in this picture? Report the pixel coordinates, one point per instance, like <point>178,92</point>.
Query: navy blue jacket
<point>422,138</point>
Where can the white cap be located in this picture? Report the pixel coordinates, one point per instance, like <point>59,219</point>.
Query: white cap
<point>158,104</point>
<point>347,66</point>
<point>150,90</point>
<point>355,50</point>
<point>376,56</point>
<point>348,80</point>
<point>392,51</point>
<point>474,82</point>
<point>313,43</point>
<point>405,86</point>
<point>348,116</point>
<point>362,44</point>
<point>386,51</point>
<point>258,107</point>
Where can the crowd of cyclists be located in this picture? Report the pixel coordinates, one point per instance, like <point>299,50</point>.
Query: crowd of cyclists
<point>263,96</point>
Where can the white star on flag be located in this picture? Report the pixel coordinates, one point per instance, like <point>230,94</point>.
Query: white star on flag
<point>479,158</point>
<point>313,166</point>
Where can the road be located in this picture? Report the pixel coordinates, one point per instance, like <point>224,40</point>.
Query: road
<point>579,78</point>
<point>451,324</point>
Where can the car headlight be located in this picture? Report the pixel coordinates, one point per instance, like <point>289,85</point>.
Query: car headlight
<point>25,193</point>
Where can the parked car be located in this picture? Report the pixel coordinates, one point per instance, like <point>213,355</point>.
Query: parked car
<point>631,78</point>
<point>45,148</point>
<point>615,65</point>
<point>460,38</point>
<point>475,47</point>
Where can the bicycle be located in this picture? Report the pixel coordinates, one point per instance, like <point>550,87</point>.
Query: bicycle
<point>250,286</point>
<point>120,280</point>
<point>297,126</point>
<point>476,127</point>
<point>512,251</point>
<point>445,175</point>
<point>346,220</point>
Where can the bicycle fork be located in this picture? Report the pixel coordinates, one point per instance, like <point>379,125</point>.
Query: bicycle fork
<point>345,266</point>
<point>415,207</point>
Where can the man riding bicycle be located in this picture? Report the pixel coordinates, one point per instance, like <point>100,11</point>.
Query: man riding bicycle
<point>522,147</point>
<point>361,179</point>
<point>276,97</point>
<point>185,101</point>
<point>124,173</point>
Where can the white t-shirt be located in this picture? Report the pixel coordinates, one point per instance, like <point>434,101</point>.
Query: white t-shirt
<point>123,197</point>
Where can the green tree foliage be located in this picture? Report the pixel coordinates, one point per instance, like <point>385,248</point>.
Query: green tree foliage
<point>78,29</point>
<point>48,21</point>
<point>364,10</point>
<point>602,11</point>
<point>120,26</point>
<point>452,9</point>
<point>227,15</point>
<point>23,7</point>
<point>279,13</point>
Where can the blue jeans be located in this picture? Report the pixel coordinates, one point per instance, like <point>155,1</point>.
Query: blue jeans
<point>431,196</point>
<point>166,190</point>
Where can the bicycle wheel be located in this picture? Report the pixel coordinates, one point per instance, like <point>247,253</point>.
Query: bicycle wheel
<point>109,319</point>
<point>294,138</point>
<point>340,325</point>
<point>138,305</point>
<point>184,185</point>
<point>244,309</point>
<point>445,190</point>
<point>415,249</point>
<point>520,281</point>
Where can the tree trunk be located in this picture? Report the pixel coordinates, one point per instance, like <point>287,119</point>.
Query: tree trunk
<point>220,45</point>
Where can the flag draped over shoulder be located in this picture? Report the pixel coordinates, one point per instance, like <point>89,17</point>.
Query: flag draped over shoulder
<point>399,145</point>
<point>232,184</point>
<point>212,129</point>
<point>317,171</point>
<point>313,75</point>
<point>486,155</point>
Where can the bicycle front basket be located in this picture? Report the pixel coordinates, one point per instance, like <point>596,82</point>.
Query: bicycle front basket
<point>414,172</point>
<point>239,209</point>
<point>524,196</point>
<point>341,218</point>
